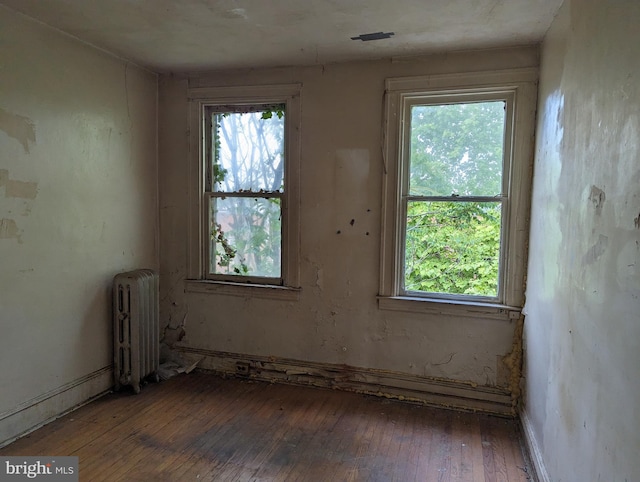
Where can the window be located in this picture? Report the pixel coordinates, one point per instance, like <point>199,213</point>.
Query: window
<point>458,155</point>
<point>245,186</point>
<point>453,198</point>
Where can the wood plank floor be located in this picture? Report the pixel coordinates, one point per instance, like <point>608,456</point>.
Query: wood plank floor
<point>201,427</point>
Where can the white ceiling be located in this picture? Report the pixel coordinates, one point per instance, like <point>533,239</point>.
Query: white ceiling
<point>192,35</point>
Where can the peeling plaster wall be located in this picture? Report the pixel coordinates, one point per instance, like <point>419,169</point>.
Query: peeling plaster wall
<point>582,330</point>
<point>78,203</point>
<point>336,320</point>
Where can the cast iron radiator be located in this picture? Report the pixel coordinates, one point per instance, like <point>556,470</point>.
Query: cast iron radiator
<point>136,336</point>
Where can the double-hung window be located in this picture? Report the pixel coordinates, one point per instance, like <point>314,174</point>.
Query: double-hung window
<point>245,186</point>
<point>456,189</point>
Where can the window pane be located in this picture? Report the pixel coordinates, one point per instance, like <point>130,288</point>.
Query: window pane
<point>246,236</point>
<point>457,149</point>
<point>452,247</point>
<point>248,150</point>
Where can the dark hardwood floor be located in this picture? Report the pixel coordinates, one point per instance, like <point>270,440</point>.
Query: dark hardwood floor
<point>200,427</point>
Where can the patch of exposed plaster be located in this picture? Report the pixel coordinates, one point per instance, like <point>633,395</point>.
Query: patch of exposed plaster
<point>513,362</point>
<point>21,189</point>
<point>597,250</point>
<point>319,277</point>
<point>597,196</point>
<point>9,229</point>
<point>488,375</point>
<point>172,334</point>
<point>235,13</point>
<point>17,189</point>
<point>19,128</point>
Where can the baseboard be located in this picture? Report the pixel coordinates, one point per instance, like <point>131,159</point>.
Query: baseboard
<point>533,449</point>
<point>34,413</point>
<point>396,385</point>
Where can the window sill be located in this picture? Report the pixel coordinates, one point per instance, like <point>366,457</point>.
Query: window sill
<point>271,292</point>
<point>455,308</point>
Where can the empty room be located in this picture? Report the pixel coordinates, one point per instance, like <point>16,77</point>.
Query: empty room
<point>320,240</point>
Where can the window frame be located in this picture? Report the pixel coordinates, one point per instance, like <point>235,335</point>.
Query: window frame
<point>519,88</point>
<point>202,100</point>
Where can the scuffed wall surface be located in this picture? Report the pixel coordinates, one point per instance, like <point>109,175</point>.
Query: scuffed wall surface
<point>582,331</point>
<point>336,319</point>
<point>78,202</point>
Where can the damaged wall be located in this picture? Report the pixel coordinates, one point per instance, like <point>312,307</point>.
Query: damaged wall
<point>336,319</point>
<point>582,330</point>
<point>78,203</point>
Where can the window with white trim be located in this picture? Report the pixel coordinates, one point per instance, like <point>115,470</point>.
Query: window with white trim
<point>458,154</point>
<point>244,186</point>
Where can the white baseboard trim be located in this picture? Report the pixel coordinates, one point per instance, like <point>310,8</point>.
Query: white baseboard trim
<point>38,411</point>
<point>396,385</point>
<point>533,449</point>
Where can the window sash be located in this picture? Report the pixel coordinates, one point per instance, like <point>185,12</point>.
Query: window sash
<point>209,112</point>
<point>409,100</point>
<point>210,252</point>
<point>448,100</point>
<point>418,99</point>
<point>210,194</point>
<point>250,194</point>
<point>402,241</point>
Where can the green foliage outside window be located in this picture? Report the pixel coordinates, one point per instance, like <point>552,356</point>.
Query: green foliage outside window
<point>453,247</point>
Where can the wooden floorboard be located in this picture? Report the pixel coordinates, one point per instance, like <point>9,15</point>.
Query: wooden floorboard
<point>200,427</point>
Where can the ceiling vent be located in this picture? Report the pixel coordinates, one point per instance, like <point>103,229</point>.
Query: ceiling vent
<point>366,37</point>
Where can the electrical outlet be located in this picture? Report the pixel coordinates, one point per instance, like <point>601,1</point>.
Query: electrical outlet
<point>242,368</point>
